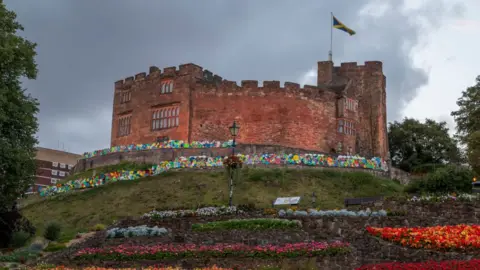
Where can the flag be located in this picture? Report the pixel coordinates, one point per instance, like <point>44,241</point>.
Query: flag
<point>340,26</point>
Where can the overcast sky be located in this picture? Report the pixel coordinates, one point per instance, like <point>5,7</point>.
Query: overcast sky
<point>429,49</point>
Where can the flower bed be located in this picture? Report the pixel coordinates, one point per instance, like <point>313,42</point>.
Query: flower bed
<point>128,253</point>
<point>439,237</point>
<point>146,268</point>
<point>247,224</point>
<point>444,198</point>
<point>444,265</point>
<point>136,231</point>
<point>203,161</point>
<point>331,213</point>
<point>204,211</point>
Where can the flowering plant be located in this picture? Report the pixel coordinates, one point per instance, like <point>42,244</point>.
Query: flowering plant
<point>445,265</point>
<point>332,213</point>
<point>136,231</point>
<point>204,211</point>
<point>444,198</point>
<point>148,268</point>
<point>123,253</point>
<point>233,162</point>
<point>439,237</point>
<point>248,224</point>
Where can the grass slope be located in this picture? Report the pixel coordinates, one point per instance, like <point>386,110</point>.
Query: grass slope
<point>188,189</point>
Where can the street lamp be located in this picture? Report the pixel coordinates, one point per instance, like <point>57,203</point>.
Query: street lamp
<point>234,132</point>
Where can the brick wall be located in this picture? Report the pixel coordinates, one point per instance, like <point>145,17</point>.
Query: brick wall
<point>290,116</point>
<point>46,170</point>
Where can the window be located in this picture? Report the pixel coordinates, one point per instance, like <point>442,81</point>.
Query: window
<point>62,174</point>
<point>53,181</point>
<point>165,118</point>
<point>54,172</point>
<point>346,127</point>
<point>351,105</point>
<point>54,164</point>
<point>124,126</point>
<point>62,165</point>
<point>70,166</point>
<point>125,97</point>
<point>167,87</point>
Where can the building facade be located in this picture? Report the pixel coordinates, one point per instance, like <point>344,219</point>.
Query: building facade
<point>52,166</point>
<point>345,113</point>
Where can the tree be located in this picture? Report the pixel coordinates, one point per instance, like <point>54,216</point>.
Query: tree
<point>413,143</point>
<point>18,123</point>
<point>467,116</point>
<point>473,151</point>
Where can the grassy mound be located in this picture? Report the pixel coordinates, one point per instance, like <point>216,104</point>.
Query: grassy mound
<point>79,211</point>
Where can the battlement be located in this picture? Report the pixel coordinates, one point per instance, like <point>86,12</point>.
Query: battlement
<point>371,65</point>
<point>155,72</point>
<point>259,88</point>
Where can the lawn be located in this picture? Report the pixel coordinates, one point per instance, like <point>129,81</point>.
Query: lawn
<point>79,211</point>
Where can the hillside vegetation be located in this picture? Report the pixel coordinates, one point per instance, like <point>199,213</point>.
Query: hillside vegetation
<point>78,211</point>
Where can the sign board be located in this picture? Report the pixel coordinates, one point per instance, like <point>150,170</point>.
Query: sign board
<point>287,200</point>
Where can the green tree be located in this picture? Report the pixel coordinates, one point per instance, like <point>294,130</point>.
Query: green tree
<point>413,143</point>
<point>18,123</point>
<point>473,151</point>
<point>467,116</point>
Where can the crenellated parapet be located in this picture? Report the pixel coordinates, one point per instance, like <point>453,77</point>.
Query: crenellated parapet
<point>155,72</point>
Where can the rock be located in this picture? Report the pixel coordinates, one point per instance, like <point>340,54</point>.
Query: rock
<point>319,223</point>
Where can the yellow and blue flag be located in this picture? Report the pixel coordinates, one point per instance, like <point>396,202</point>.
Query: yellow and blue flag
<point>340,26</point>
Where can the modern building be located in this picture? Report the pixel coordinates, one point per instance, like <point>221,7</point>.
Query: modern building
<point>52,166</point>
<point>345,113</point>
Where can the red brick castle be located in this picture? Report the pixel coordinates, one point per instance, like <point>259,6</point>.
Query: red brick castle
<point>345,113</point>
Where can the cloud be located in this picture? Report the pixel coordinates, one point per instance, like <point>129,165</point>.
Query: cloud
<point>85,46</point>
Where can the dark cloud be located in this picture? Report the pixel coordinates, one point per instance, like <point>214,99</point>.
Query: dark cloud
<point>84,46</point>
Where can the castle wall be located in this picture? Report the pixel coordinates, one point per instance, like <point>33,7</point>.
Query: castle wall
<point>147,97</point>
<point>368,86</point>
<point>204,106</point>
<point>289,116</point>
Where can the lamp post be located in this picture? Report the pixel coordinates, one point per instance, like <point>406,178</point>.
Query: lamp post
<point>234,132</point>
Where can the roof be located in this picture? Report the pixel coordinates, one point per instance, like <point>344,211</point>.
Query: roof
<point>53,155</point>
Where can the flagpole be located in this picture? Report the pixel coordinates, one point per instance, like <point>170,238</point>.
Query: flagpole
<point>331,37</point>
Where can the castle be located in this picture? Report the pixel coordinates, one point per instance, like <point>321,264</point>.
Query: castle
<point>345,113</point>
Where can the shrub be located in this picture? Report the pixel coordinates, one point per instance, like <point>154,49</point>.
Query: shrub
<point>11,222</point>
<point>444,180</point>
<point>270,211</point>
<point>52,231</point>
<point>248,224</point>
<point>19,239</point>
<point>98,227</point>
<point>52,247</point>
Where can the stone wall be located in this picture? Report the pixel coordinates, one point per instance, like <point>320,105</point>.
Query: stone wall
<point>155,156</point>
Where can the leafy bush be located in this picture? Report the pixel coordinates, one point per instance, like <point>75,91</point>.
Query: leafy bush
<point>19,239</point>
<point>52,247</point>
<point>18,256</point>
<point>444,180</point>
<point>52,231</point>
<point>98,227</point>
<point>11,222</point>
<point>247,224</point>
<point>270,211</point>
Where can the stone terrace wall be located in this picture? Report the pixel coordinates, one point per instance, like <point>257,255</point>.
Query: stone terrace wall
<point>156,156</point>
